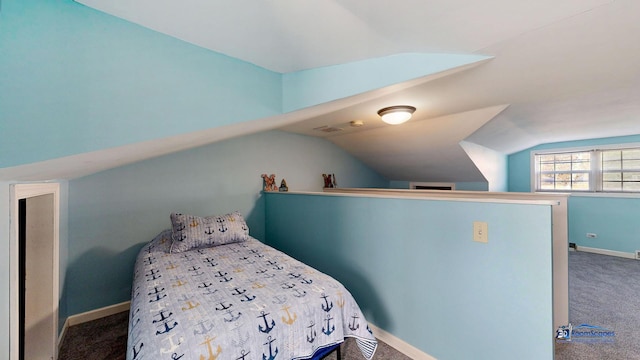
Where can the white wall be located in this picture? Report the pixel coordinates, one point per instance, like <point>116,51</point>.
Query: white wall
<point>492,164</point>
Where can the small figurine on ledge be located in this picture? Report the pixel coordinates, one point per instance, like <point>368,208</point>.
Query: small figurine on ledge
<point>283,186</point>
<point>328,183</point>
<point>269,182</point>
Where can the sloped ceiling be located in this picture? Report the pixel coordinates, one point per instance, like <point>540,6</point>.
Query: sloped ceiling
<point>567,70</point>
<point>421,149</point>
<point>291,35</point>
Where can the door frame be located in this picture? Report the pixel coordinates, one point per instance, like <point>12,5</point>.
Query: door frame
<point>24,191</point>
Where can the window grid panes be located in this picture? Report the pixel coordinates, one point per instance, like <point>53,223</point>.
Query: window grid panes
<point>621,170</point>
<point>607,170</point>
<point>564,171</point>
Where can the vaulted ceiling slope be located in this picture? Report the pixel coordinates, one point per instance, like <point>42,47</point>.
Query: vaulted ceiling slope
<point>290,35</point>
<point>566,69</point>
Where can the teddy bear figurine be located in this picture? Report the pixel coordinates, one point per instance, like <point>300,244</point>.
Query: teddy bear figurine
<point>269,182</point>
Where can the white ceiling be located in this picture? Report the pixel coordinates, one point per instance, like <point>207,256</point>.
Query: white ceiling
<point>291,35</point>
<point>567,69</point>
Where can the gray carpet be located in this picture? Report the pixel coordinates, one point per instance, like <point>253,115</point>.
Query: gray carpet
<point>604,291</point>
<point>106,339</point>
<point>102,339</point>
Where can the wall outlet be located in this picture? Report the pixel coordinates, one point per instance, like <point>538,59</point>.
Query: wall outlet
<point>572,245</point>
<point>592,235</point>
<point>637,254</point>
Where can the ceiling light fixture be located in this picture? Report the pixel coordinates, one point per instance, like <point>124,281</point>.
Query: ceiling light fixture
<point>396,115</point>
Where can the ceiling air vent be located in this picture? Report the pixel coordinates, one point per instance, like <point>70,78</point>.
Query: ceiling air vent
<point>328,129</point>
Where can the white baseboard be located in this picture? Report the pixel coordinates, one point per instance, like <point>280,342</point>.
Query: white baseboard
<point>63,332</point>
<point>98,313</point>
<point>91,315</point>
<point>398,344</point>
<point>606,252</point>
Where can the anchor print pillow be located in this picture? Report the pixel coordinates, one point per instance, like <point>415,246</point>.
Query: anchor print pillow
<point>192,232</point>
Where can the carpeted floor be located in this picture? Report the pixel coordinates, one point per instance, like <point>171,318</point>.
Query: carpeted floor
<point>106,339</point>
<point>603,291</point>
<point>102,339</point>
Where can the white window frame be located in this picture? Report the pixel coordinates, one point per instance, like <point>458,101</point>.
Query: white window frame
<point>595,178</point>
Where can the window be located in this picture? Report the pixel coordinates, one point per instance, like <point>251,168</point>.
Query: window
<point>563,171</point>
<point>621,170</point>
<point>599,170</point>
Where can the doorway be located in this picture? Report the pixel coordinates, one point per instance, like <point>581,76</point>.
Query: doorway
<point>34,271</point>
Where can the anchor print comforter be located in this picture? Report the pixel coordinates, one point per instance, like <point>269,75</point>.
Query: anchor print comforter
<point>237,301</point>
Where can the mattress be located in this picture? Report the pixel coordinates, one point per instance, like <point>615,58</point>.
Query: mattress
<point>243,300</point>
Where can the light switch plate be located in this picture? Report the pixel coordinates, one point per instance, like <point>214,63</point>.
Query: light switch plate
<point>480,231</point>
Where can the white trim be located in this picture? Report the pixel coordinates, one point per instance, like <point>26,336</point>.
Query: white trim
<point>22,191</point>
<point>398,344</point>
<point>63,333</point>
<point>630,195</point>
<point>98,313</point>
<point>586,148</point>
<point>606,252</point>
<point>533,179</point>
<point>430,195</point>
<point>89,316</point>
<point>596,172</point>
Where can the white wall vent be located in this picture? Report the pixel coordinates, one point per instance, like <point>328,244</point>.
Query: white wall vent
<point>328,129</point>
<point>432,186</point>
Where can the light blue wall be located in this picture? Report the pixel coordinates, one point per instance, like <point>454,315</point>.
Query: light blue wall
<point>472,186</point>
<point>343,80</point>
<point>74,80</point>
<point>613,219</point>
<point>65,66</point>
<point>397,184</point>
<point>114,212</point>
<point>415,271</point>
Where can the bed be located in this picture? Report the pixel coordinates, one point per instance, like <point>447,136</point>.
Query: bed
<point>206,290</point>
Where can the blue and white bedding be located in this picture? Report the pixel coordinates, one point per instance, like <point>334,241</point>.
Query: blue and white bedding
<point>242,300</point>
